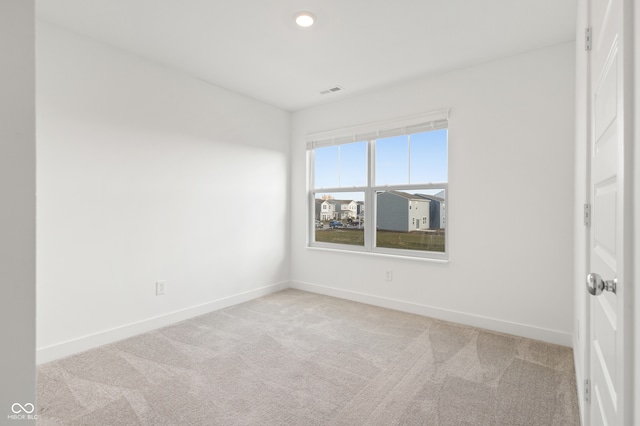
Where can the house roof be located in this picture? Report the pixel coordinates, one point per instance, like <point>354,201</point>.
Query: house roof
<point>431,197</point>
<point>334,201</point>
<point>415,197</point>
<point>340,201</point>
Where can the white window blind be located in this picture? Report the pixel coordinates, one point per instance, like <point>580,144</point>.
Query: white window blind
<point>415,124</point>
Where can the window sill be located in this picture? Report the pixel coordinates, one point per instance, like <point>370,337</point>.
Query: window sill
<point>377,254</point>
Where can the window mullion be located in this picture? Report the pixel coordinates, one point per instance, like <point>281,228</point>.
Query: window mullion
<point>369,213</point>
<point>348,189</point>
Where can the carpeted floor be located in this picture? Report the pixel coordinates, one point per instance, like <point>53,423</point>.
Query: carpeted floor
<point>296,358</point>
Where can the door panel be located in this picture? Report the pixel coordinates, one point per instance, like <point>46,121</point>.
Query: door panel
<point>604,235</point>
<point>606,336</point>
<point>606,102</point>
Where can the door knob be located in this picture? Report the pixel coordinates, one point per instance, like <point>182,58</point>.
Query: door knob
<point>596,285</point>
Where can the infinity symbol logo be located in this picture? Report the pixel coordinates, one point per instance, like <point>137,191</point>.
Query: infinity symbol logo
<point>27,408</point>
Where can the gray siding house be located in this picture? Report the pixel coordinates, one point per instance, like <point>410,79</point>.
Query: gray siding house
<point>399,211</point>
<point>436,210</point>
<point>443,205</point>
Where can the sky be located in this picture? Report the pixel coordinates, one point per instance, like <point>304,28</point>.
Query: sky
<point>345,166</point>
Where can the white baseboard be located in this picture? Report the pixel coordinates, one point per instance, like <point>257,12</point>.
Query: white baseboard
<point>70,347</point>
<point>523,330</point>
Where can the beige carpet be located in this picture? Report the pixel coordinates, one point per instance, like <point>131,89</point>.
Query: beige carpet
<point>296,358</point>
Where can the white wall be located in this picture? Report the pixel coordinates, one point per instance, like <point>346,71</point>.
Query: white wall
<point>17,215</point>
<point>146,174</point>
<point>511,141</point>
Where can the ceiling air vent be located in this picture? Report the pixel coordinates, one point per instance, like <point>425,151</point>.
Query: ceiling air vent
<point>333,89</point>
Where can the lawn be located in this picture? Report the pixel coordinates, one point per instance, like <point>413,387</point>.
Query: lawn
<point>341,236</point>
<point>417,240</point>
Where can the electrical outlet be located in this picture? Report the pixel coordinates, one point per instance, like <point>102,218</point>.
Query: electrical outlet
<point>388,276</point>
<point>160,288</point>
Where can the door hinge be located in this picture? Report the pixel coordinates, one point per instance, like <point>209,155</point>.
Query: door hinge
<point>587,215</point>
<point>587,38</point>
<point>587,391</point>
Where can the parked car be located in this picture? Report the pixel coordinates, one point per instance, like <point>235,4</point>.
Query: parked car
<point>336,224</point>
<point>319,224</point>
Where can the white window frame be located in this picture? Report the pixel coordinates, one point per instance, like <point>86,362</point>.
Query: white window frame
<point>370,133</point>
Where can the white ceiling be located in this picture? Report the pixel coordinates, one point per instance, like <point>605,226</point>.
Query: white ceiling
<point>253,47</point>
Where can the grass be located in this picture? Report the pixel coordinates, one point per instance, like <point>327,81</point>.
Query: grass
<point>341,236</point>
<point>417,240</point>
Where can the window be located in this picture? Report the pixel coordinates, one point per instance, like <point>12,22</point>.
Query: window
<point>381,188</point>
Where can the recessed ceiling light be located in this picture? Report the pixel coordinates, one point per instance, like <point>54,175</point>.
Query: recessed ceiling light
<point>305,19</point>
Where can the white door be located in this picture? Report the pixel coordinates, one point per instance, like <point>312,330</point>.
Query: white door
<point>607,237</point>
